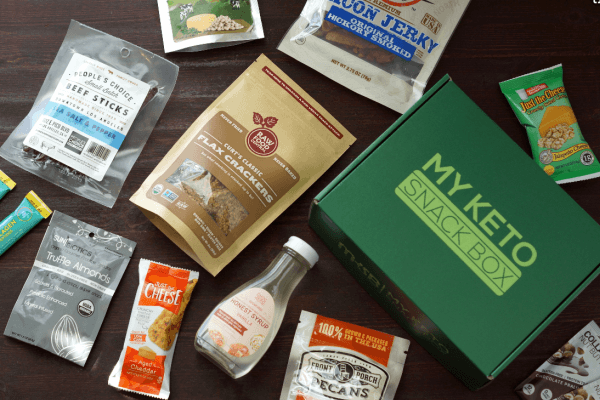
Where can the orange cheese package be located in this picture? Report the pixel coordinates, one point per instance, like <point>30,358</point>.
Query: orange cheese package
<point>160,302</point>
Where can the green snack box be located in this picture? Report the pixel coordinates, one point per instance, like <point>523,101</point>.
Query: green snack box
<point>458,234</point>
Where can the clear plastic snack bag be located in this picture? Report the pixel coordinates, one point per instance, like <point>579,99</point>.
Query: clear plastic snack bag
<point>93,115</point>
<point>332,359</point>
<point>384,50</point>
<point>196,25</point>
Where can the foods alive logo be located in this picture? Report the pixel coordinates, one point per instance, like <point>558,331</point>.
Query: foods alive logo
<point>341,376</point>
<point>476,232</point>
<point>262,141</point>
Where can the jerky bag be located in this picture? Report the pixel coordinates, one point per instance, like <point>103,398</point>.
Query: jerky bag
<point>93,115</point>
<point>384,50</point>
<point>250,155</point>
<point>574,365</point>
<point>331,359</point>
<point>160,302</point>
<point>208,24</point>
<point>66,296</point>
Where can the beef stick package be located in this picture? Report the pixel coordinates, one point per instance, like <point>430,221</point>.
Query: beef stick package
<point>93,114</point>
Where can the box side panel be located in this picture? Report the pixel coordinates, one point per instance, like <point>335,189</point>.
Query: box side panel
<point>394,301</point>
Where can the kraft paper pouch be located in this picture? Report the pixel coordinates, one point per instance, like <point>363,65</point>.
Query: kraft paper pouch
<point>208,24</point>
<point>331,359</point>
<point>250,155</point>
<point>160,303</point>
<point>28,214</point>
<point>93,115</point>
<point>540,102</point>
<point>385,50</point>
<point>70,286</point>
<point>6,184</point>
<point>574,365</point>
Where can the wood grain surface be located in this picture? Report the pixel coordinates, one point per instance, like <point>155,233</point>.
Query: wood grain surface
<point>494,41</point>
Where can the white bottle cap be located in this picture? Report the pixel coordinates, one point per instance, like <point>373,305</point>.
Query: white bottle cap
<point>302,248</point>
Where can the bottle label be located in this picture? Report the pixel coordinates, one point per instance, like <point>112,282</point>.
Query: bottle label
<point>240,325</point>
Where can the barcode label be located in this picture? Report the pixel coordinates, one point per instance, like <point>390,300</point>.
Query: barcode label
<point>99,151</point>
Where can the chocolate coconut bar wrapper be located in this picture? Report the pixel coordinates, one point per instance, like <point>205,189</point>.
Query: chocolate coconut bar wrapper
<point>574,365</point>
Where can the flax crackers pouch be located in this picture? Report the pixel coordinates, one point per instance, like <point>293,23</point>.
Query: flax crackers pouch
<point>574,365</point>
<point>160,303</point>
<point>384,50</point>
<point>540,102</point>
<point>250,155</point>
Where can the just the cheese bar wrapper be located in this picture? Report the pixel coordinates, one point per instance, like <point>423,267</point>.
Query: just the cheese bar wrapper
<point>574,365</point>
<point>160,302</point>
<point>245,160</point>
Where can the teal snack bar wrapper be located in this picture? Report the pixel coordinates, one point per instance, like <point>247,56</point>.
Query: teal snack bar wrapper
<point>540,102</point>
<point>28,214</point>
<point>6,184</point>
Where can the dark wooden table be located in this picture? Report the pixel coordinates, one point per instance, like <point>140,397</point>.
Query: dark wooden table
<point>494,42</point>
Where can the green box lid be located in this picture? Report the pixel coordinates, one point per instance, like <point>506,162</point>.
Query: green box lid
<point>537,248</point>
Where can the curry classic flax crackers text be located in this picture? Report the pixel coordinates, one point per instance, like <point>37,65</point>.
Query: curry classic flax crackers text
<point>252,153</point>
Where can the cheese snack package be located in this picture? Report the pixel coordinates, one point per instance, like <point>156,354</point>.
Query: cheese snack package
<point>331,359</point>
<point>160,302</point>
<point>540,102</point>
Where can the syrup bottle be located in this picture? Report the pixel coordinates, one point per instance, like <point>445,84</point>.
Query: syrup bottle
<point>240,329</point>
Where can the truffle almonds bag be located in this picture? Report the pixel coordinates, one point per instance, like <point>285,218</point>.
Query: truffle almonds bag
<point>70,286</point>
<point>246,159</point>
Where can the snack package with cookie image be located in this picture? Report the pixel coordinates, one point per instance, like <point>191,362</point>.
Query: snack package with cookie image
<point>565,374</point>
<point>196,25</point>
<point>384,50</point>
<point>540,102</point>
<point>161,299</point>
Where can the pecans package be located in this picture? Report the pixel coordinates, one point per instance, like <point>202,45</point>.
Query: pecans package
<point>250,155</point>
<point>331,359</point>
<point>68,291</point>
<point>571,367</point>
<point>93,115</point>
<point>384,50</point>
<point>208,24</point>
<point>160,302</point>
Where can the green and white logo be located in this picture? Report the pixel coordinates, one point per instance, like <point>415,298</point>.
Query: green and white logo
<point>469,238</point>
